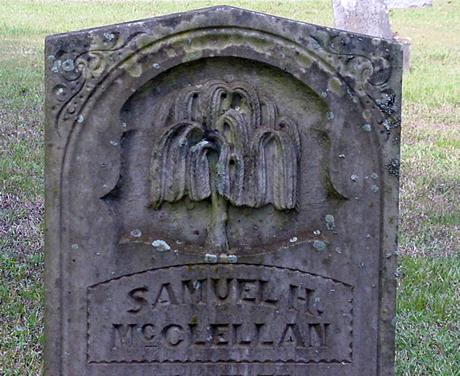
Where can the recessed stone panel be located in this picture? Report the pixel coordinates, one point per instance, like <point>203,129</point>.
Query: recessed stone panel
<point>237,313</point>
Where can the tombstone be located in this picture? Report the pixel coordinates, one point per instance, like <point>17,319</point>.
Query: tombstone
<point>405,44</point>
<point>221,198</point>
<point>363,16</point>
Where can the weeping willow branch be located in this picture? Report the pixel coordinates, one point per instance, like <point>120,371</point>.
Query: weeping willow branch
<point>226,143</point>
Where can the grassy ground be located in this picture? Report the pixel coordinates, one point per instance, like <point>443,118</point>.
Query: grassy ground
<point>428,322</point>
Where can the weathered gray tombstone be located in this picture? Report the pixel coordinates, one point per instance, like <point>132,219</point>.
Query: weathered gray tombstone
<point>362,16</point>
<point>221,198</point>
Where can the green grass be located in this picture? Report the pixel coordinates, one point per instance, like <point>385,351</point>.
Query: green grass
<point>428,318</point>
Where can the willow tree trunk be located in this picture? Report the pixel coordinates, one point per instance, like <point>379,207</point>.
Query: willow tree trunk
<point>362,16</point>
<point>217,231</point>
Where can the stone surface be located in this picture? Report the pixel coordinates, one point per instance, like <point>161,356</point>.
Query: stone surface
<point>405,44</point>
<point>394,4</point>
<point>221,198</point>
<point>362,16</point>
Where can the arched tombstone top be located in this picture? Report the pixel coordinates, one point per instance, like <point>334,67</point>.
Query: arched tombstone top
<point>215,136</point>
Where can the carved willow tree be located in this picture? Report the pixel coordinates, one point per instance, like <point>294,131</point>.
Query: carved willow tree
<point>224,142</point>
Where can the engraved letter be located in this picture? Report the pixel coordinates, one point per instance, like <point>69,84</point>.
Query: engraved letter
<point>264,335</point>
<point>248,290</point>
<point>165,296</point>
<point>292,335</point>
<point>220,334</point>
<point>300,300</point>
<point>148,331</point>
<point>318,335</point>
<point>194,291</point>
<point>137,295</point>
<point>222,288</point>
<point>123,335</point>
<point>173,334</point>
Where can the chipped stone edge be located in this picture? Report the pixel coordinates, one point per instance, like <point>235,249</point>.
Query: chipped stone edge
<point>390,150</point>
